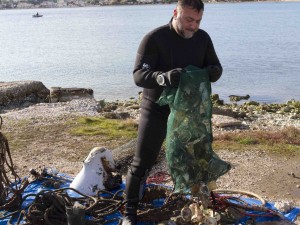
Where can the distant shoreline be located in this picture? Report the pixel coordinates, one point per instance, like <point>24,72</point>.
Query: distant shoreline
<point>82,4</point>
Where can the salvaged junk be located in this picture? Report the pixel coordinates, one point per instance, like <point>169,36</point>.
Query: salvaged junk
<point>96,173</point>
<point>55,203</point>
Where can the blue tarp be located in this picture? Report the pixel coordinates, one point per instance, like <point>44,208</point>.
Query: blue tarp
<point>37,186</point>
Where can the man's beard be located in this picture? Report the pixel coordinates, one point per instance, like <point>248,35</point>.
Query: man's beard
<point>184,33</point>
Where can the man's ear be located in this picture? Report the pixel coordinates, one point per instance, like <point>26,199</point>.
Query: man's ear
<point>175,12</point>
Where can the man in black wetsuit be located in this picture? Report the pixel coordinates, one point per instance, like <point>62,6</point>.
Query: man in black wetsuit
<point>161,58</point>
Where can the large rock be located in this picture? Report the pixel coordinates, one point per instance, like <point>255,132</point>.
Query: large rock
<point>225,121</point>
<point>22,92</point>
<point>225,112</point>
<point>123,155</point>
<point>59,94</point>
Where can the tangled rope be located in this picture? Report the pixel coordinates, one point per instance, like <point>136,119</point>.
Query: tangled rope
<point>231,205</point>
<point>10,191</point>
<point>49,207</point>
<point>222,200</point>
<point>158,178</point>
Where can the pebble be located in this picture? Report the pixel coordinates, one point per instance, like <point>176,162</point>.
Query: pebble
<point>91,107</point>
<point>46,112</point>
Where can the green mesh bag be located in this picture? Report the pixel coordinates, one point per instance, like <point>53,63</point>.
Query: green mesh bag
<point>189,153</point>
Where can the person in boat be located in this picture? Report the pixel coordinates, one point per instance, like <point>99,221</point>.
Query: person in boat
<point>37,14</point>
<point>161,57</point>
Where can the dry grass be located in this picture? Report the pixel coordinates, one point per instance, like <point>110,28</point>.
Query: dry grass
<point>285,141</point>
<point>83,133</point>
<point>77,136</point>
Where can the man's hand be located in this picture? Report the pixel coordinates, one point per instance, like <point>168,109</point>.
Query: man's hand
<point>213,70</point>
<point>170,78</point>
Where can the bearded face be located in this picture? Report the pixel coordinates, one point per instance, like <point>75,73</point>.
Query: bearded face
<point>186,21</point>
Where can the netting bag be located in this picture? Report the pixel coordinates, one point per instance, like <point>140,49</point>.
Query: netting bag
<point>189,153</point>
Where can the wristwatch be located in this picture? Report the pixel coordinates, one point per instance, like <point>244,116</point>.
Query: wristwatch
<point>160,79</point>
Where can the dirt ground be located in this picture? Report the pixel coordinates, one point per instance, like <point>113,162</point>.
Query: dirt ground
<point>266,174</point>
<point>48,143</point>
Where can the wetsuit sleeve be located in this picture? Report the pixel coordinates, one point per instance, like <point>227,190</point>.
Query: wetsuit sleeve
<point>144,73</point>
<point>211,58</point>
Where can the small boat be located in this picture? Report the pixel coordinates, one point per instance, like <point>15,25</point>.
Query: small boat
<point>37,15</point>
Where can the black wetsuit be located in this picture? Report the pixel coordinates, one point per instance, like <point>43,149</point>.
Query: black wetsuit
<point>160,51</point>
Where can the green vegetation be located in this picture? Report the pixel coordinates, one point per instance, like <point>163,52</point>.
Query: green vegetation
<point>108,127</point>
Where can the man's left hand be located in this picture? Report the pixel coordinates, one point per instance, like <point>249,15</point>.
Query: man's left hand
<point>213,70</point>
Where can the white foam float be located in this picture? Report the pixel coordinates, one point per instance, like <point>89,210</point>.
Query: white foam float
<point>94,172</point>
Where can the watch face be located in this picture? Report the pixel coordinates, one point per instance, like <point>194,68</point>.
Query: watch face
<point>160,80</point>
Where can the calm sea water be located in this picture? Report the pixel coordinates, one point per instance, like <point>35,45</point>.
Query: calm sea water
<point>258,45</point>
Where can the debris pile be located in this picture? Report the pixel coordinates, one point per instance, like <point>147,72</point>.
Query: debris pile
<point>45,197</point>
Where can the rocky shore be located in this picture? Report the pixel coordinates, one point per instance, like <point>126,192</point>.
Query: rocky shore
<point>32,95</point>
<point>228,117</point>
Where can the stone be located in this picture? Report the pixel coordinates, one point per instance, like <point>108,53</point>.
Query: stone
<point>225,112</point>
<point>236,98</point>
<point>283,206</point>
<point>225,121</point>
<point>124,154</point>
<point>116,115</point>
<point>59,94</point>
<point>18,92</point>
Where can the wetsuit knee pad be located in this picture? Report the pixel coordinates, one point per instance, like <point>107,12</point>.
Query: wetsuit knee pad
<point>134,190</point>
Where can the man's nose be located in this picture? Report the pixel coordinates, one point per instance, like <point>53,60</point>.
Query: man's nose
<point>194,25</point>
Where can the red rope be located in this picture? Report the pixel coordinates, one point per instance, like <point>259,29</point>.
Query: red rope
<point>221,203</point>
<point>158,178</point>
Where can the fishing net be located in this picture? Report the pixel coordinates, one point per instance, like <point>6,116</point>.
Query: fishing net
<point>189,153</point>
